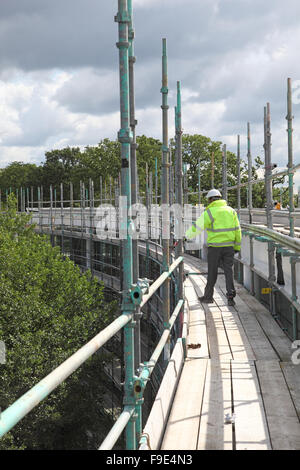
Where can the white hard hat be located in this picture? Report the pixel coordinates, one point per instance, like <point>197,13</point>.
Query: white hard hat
<point>213,193</point>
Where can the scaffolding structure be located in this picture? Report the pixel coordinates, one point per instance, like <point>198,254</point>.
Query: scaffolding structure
<point>78,216</point>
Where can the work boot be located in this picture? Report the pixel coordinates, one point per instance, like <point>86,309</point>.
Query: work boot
<point>231,302</point>
<point>205,300</point>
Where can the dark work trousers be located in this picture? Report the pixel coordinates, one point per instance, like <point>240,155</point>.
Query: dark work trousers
<point>215,257</point>
<point>280,277</point>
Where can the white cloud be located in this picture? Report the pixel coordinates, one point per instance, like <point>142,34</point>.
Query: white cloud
<point>25,155</point>
<point>89,90</point>
<point>32,121</point>
<point>59,82</point>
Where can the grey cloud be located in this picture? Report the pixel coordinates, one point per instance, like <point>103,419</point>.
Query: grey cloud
<point>90,91</point>
<point>41,34</point>
<point>209,44</point>
<point>38,123</point>
<point>63,33</point>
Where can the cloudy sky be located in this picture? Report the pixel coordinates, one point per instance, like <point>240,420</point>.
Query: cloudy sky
<point>59,82</point>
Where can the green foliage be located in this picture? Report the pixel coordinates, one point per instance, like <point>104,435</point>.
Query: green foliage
<point>48,311</point>
<point>148,150</point>
<point>195,147</point>
<point>72,164</point>
<point>18,174</point>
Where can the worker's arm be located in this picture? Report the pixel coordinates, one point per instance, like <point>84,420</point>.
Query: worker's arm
<point>197,227</point>
<point>238,233</point>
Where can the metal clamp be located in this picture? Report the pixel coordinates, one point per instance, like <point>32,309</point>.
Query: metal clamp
<point>164,89</point>
<point>122,17</point>
<point>125,135</point>
<point>138,290</point>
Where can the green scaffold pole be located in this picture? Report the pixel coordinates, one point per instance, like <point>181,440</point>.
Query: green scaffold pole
<point>165,189</point>
<point>125,139</point>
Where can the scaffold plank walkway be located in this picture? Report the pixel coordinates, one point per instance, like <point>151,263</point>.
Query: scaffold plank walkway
<point>239,388</point>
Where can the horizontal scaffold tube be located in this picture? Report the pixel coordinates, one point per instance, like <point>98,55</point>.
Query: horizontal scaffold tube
<point>125,416</point>
<point>284,240</point>
<point>117,428</point>
<point>148,368</point>
<point>39,392</point>
<point>12,415</point>
<point>159,348</point>
<point>156,284</point>
<point>256,181</point>
<point>275,212</point>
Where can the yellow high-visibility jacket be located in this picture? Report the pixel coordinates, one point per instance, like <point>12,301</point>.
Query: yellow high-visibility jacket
<point>221,223</point>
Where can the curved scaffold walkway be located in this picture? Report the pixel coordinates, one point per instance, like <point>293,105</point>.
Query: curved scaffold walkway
<point>239,388</point>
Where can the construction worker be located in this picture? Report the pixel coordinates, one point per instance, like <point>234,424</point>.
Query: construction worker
<point>223,240</point>
<point>280,275</point>
<point>277,205</point>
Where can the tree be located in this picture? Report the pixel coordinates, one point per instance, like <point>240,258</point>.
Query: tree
<point>73,165</point>
<point>48,311</point>
<point>58,168</point>
<point>148,150</point>
<point>197,147</point>
<point>19,175</point>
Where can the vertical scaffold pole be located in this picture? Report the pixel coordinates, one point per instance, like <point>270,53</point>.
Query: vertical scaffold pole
<point>199,195</point>
<point>42,203</point>
<point>171,201</point>
<point>165,191</point>
<point>39,207</point>
<point>150,203</point>
<point>268,167</point>
<point>238,171</point>
<point>156,182</point>
<point>150,188</point>
<point>62,218</point>
<point>125,139</point>
<point>27,196</point>
<point>101,191</point>
<point>176,155</point>
<point>147,222</point>
<point>179,193</point>
<point>71,206</point>
<point>224,172</point>
<point>185,184</point>
<point>249,157</point>
<point>81,205</point>
<point>51,214</point>
<point>269,200</point>
<point>212,170</point>
<point>289,118</point>
<point>90,241</point>
<point>21,199</point>
<point>199,181</point>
